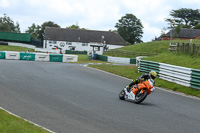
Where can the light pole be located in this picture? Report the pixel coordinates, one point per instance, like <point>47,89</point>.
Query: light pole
<point>102,39</point>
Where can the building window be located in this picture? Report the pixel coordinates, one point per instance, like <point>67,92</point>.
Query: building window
<point>72,48</point>
<point>96,48</point>
<point>52,42</point>
<point>84,44</point>
<point>68,43</point>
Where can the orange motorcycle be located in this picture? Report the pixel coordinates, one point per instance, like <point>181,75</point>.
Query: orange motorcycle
<point>138,92</point>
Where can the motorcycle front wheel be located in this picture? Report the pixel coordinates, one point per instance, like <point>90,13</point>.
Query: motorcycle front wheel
<point>122,95</point>
<point>139,97</point>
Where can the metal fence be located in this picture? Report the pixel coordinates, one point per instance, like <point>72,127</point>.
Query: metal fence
<point>116,59</point>
<point>181,75</point>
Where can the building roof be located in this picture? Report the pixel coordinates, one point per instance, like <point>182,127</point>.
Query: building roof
<point>85,36</point>
<point>185,33</point>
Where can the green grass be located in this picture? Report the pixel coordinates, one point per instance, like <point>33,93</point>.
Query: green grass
<point>155,46</point>
<point>125,71</point>
<point>14,48</point>
<point>150,47</point>
<point>12,124</point>
<point>131,72</point>
<point>178,59</point>
<point>165,56</point>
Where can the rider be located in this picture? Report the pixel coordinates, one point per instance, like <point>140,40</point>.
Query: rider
<point>144,77</point>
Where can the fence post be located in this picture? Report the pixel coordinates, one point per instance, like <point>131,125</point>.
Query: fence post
<point>194,48</point>
<point>178,49</point>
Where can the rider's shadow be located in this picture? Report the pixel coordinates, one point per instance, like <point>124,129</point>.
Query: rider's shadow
<point>142,104</point>
<point>146,104</point>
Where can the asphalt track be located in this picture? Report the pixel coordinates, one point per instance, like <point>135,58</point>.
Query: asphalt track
<point>70,98</point>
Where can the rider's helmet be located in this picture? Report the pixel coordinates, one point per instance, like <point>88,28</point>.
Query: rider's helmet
<point>152,74</point>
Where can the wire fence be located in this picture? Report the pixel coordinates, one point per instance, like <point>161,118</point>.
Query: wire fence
<point>187,48</point>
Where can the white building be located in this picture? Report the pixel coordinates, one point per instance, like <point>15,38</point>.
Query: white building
<point>81,40</point>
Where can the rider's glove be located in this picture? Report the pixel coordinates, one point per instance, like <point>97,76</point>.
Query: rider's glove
<point>127,87</point>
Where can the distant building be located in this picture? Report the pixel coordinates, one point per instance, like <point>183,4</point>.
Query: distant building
<point>81,40</point>
<point>183,35</point>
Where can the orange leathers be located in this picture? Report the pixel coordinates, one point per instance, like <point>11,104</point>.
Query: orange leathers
<point>144,84</point>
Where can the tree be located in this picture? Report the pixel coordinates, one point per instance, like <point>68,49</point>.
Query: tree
<point>8,25</point>
<point>130,28</point>
<point>38,31</point>
<point>188,18</point>
<point>34,31</point>
<point>73,27</point>
<point>197,26</point>
<point>178,29</point>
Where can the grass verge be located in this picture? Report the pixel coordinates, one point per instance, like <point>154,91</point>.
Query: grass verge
<point>12,124</point>
<point>131,72</point>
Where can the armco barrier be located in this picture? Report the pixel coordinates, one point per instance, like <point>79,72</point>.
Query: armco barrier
<point>27,56</point>
<point>180,75</point>
<point>119,60</point>
<point>147,66</point>
<point>132,61</point>
<point>116,59</point>
<point>56,57</point>
<point>75,52</point>
<point>70,58</point>
<point>41,57</point>
<point>176,74</point>
<point>10,55</point>
<point>102,57</point>
<point>195,79</point>
<point>2,55</point>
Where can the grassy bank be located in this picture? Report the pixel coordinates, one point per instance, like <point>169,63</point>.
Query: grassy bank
<point>155,46</point>
<point>178,59</point>
<point>150,47</point>
<point>165,56</point>
<point>12,124</point>
<point>131,72</point>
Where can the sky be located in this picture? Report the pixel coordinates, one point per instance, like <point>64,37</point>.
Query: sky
<point>94,14</point>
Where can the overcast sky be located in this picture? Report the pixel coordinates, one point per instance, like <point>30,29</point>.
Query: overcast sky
<point>94,14</point>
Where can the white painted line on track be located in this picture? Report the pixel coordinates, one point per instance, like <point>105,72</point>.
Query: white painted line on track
<point>163,89</point>
<point>27,120</point>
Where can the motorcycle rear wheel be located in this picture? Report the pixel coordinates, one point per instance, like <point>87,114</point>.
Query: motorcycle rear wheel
<point>122,95</point>
<point>139,97</point>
